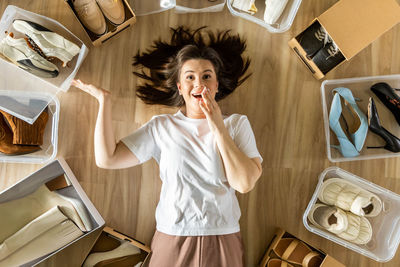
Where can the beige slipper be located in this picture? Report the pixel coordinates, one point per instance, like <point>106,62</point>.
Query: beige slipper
<point>346,225</point>
<point>350,197</point>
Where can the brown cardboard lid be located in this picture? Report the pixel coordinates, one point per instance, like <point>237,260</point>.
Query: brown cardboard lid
<point>354,24</point>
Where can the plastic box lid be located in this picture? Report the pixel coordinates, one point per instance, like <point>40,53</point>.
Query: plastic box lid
<point>14,78</point>
<point>385,226</point>
<point>284,22</point>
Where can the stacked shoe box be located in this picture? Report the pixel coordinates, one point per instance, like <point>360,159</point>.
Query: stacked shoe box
<point>113,248</point>
<point>111,29</point>
<point>372,212</point>
<point>342,32</point>
<point>23,202</point>
<point>275,15</point>
<point>286,249</point>
<point>28,90</point>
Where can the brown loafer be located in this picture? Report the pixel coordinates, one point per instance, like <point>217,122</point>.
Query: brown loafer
<point>25,133</point>
<point>113,10</point>
<point>6,144</point>
<point>90,15</point>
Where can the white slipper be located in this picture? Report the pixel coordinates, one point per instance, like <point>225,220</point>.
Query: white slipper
<point>346,225</point>
<point>350,197</point>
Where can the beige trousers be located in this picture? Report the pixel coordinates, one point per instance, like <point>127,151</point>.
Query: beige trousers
<point>196,251</point>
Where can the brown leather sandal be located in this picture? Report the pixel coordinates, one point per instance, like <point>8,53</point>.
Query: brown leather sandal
<point>6,141</point>
<point>25,133</point>
<point>297,252</point>
<point>278,263</point>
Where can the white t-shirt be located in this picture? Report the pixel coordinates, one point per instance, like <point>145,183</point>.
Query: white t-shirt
<point>196,198</point>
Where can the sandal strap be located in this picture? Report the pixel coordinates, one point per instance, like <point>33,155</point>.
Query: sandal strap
<point>308,258</point>
<point>284,264</point>
<point>289,250</point>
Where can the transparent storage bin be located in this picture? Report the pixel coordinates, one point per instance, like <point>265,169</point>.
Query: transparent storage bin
<point>48,150</point>
<point>283,23</point>
<point>385,226</point>
<point>360,88</point>
<point>16,79</point>
<point>147,7</point>
<point>32,182</point>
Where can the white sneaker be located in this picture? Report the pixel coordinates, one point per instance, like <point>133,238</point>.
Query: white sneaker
<point>350,197</point>
<point>50,43</point>
<point>18,52</point>
<point>346,225</point>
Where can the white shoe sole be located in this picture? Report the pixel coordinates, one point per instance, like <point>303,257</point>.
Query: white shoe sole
<point>51,43</point>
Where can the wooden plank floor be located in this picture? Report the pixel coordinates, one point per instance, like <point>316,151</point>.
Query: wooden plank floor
<point>281,99</point>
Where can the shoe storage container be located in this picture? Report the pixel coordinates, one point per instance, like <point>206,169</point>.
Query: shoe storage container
<point>112,30</point>
<point>282,24</point>
<point>48,150</point>
<point>385,226</point>
<point>360,87</point>
<point>148,7</point>
<point>14,78</point>
<point>352,26</point>
<point>108,245</point>
<point>29,184</point>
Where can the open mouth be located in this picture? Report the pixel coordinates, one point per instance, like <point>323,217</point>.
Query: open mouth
<point>197,96</point>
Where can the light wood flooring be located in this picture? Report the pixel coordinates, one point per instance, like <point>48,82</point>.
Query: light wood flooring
<point>281,99</point>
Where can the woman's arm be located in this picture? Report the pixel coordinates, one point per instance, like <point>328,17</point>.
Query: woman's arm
<point>108,153</point>
<point>241,171</point>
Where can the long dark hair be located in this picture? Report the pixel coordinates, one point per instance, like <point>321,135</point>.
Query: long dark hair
<point>165,59</point>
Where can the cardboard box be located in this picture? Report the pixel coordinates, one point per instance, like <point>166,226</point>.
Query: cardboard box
<point>44,175</point>
<point>109,239</point>
<point>328,261</point>
<point>352,25</point>
<point>130,19</point>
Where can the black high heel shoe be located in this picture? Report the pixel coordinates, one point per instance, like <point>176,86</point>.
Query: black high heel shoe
<point>388,97</point>
<point>392,142</point>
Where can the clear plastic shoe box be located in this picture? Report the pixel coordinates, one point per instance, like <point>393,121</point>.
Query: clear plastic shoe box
<point>48,150</point>
<point>283,23</point>
<point>360,88</point>
<point>32,182</point>
<point>385,226</point>
<point>19,88</point>
<point>148,7</point>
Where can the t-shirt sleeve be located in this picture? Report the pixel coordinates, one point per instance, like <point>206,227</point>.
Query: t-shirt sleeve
<point>243,137</point>
<point>142,142</point>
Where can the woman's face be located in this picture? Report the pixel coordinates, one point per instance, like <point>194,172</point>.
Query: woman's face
<point>195,75</point>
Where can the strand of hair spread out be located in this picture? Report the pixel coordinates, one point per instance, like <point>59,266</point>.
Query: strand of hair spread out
<point>160,80</point>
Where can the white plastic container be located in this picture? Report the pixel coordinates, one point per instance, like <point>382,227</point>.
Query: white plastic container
<point>283,23</point>
<point>48,150</point>
<point>16,79</point>
<point>29,184</point>
<point>360,88</point>
<point>385,226</point>
<point>148,7</point>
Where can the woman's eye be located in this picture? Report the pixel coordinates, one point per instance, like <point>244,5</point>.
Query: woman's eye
<point>190,77</point>
<point>207,76</point>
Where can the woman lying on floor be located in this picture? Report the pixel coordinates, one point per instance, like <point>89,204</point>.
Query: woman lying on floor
<point>203,156</point>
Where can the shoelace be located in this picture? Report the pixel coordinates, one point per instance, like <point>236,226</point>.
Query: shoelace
<point>333,50</point>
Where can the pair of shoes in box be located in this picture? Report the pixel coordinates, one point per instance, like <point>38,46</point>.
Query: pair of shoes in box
<point>320,48</point>
<point>35,52</point>
<point>19,137</point>
<point>344,209</point>
<point>90,13</point>
<point>273,8</point>
<point>293,252</point>
<point>357,130</point>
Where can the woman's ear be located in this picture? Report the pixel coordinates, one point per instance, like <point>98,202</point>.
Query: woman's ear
<point>178,84</point>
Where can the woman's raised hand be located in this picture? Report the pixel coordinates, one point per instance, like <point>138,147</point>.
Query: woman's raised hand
<point>98,93</point>
<point>212,111</point>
